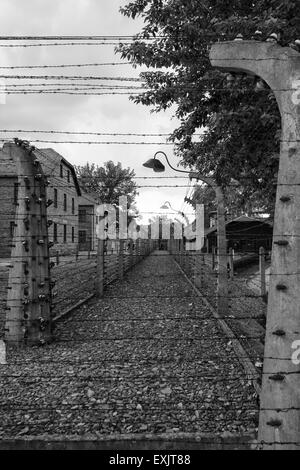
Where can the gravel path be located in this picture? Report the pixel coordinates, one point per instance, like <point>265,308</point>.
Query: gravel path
<point>148,358</point>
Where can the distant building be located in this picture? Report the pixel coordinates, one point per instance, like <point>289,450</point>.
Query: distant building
<point>64,191</point>
<point>243,234</point>
<point>87,220</point>
<point>8,198</point>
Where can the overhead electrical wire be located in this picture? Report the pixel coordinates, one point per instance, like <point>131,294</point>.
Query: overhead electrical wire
<point>85,133</point>
<point>97,64</point>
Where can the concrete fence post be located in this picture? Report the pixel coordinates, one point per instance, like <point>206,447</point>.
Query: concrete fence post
<point>279,67</point>
<point>28,318</point>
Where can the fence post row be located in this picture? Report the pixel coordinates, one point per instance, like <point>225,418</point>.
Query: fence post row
<point>28,317</point>
<point>137,251</point>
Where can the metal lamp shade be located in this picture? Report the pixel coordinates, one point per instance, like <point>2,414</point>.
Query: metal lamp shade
<point>155,165</point>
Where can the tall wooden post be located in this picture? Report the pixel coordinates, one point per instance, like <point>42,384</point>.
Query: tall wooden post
<point>100,269</point>
<point>222,284</point>
<point>202,262</point>
<point>28,319</point>
<point>121,259</point>
<point>279,67</point>
<point>222,287</point>
<point>181,256</point>
<point>131,260</point>
<point>231,265</point>
<point>197,269</point>
<point>213,257</point>
<point>138,249</point>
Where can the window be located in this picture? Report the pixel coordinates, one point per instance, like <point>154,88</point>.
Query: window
<point>16,190</point>
<point>82,236</point>
<point>55,233</point>
<point>68,176</point>
<point>73,206</point>
<point>12,229</point>
<point>55,198</point>
<point>73,235</point>
<point>65,234</point>
<point>65,202</point>
<point>61,171</point>
<point>82,215</point>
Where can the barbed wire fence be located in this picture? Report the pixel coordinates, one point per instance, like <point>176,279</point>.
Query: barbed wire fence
<point>41,277</point>
<point>76,277</point>
<point>192,264</point>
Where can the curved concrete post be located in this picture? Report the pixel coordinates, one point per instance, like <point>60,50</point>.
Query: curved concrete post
<point>222,283</point>
<point>279,425</point>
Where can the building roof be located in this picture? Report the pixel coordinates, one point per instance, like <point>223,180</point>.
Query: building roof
<point>7,164</point>
<point>87,199</point>
<point>241,219</point>
<point>48,158</point>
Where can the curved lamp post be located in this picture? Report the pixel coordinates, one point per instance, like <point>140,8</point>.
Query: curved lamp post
<point>222,285</point>
<point>167,205</point>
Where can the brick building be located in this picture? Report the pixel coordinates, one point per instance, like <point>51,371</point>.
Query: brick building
<point>67,197</point>
<point>86,222</point>
<point>8,198</point>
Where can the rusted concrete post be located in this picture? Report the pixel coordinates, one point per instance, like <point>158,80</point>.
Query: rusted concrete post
<point>28,319</point>
<point>279,425</point>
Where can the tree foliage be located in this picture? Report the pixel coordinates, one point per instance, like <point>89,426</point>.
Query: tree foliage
<point>241,120</point>
<point>235,202</point>
<point>108,183</point>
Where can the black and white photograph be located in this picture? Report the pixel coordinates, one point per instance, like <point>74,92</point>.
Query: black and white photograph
<point>149,228</point>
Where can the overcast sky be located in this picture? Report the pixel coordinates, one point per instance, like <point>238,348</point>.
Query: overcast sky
<point>85,113</point>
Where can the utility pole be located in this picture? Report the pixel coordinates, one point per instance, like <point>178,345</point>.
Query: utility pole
<point>279,67</point>
<point>28,318</point>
